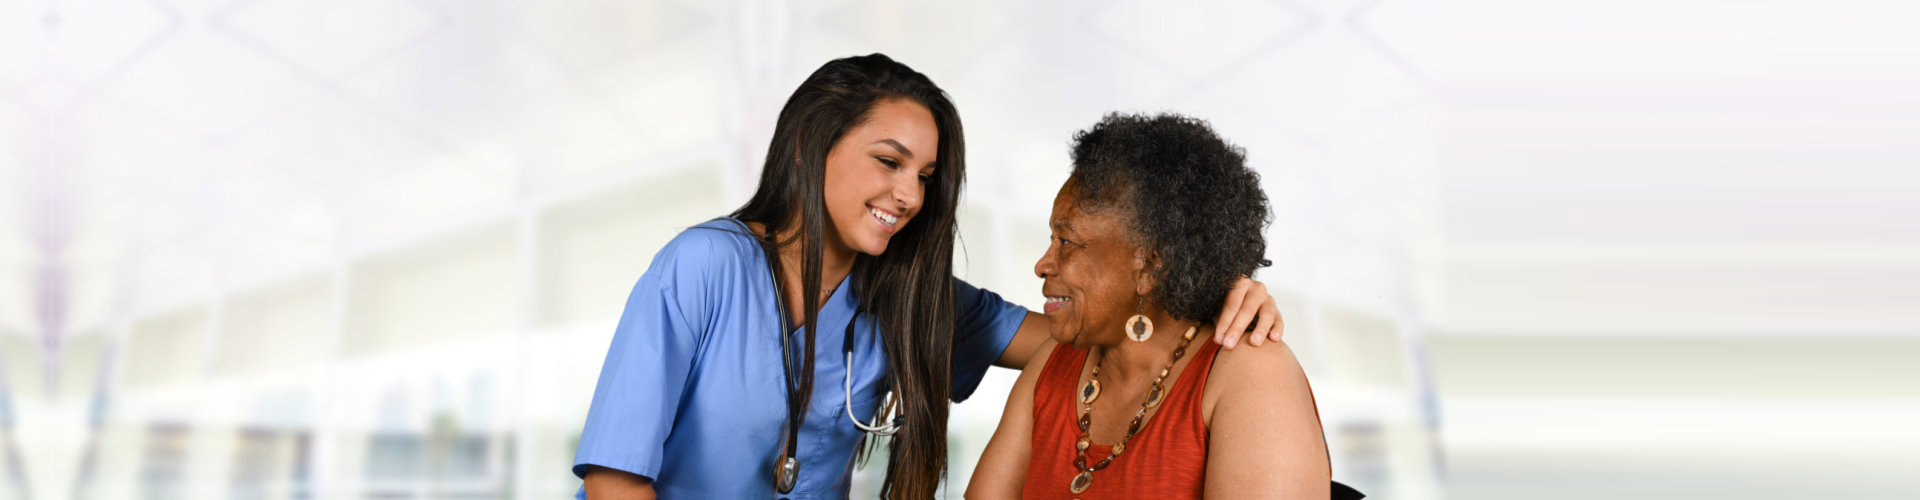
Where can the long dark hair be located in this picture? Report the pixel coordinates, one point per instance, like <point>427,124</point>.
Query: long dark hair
<point>907,291</point>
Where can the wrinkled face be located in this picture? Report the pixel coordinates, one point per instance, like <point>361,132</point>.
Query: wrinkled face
<point>1089,274</point>
<point>877,175</point>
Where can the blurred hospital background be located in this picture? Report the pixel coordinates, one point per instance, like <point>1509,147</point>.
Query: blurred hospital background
<point>279,249</point>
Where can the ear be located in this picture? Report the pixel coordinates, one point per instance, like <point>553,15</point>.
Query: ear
<point>1144,263</point>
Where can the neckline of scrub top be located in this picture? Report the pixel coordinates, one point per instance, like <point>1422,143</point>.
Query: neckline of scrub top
<point>832,310</point>
<point>838,304</point>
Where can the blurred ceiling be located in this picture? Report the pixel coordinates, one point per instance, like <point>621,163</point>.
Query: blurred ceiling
<point>1711,168</point>
<point>1660,168</point>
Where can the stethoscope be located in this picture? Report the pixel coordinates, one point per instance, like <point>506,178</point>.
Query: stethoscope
<point>878,429</point>
<point>787,473</point>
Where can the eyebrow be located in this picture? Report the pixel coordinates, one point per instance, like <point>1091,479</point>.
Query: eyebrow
<point>896,146</point>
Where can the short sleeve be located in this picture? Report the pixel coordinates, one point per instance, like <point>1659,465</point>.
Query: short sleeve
<point>649,362</point>
<point>985,326</point>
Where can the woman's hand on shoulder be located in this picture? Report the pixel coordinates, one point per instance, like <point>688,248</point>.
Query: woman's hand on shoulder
<point>1249,303</point>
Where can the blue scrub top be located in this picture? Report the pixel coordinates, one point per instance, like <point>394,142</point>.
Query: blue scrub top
<point>692,392</point>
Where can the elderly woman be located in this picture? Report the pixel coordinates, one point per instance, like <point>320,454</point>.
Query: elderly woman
<point>1148,234</point>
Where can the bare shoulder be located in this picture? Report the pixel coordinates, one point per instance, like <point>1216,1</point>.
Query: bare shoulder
<point>1268,373</point>
<point>1039,362</point>
<point>1024,387</point>
<point>1274,359</point>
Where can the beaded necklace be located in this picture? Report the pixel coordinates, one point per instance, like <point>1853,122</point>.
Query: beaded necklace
<point>1156,394</point>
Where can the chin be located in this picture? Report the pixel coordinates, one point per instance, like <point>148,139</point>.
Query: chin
<point>1061,337</point>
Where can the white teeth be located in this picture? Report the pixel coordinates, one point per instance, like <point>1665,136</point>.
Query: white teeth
<point>883,216</point>
<point>1056,299</point>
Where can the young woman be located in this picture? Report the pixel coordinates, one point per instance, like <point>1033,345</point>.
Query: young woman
<point>759,349</point>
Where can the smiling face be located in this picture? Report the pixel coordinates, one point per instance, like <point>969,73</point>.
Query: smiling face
<point>1090,274</point>
<point>876,175</point>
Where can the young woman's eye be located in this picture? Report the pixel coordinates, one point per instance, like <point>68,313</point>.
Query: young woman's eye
<point>924,178</point>
<point>888,162</point>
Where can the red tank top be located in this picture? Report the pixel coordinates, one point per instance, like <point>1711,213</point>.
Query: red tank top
<point>1166,459</point>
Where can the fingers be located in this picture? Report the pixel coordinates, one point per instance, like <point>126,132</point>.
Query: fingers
<point>1249,312</point>
<point>1279,323</point>
<point>1268,319</point>
<point>1231,312</point>
<point>1220,334</point>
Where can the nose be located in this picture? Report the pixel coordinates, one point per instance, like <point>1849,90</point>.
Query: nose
<point>909,193</point>
<point>1046,266</point>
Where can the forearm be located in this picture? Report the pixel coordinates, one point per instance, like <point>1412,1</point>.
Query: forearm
<point>1026,339</point>
<point>609,484</point>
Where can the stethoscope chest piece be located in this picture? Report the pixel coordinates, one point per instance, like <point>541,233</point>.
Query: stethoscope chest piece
<point>787,475</point>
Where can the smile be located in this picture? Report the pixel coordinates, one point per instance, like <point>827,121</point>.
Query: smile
<point>885,219</point>
<point>1055,303</point>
